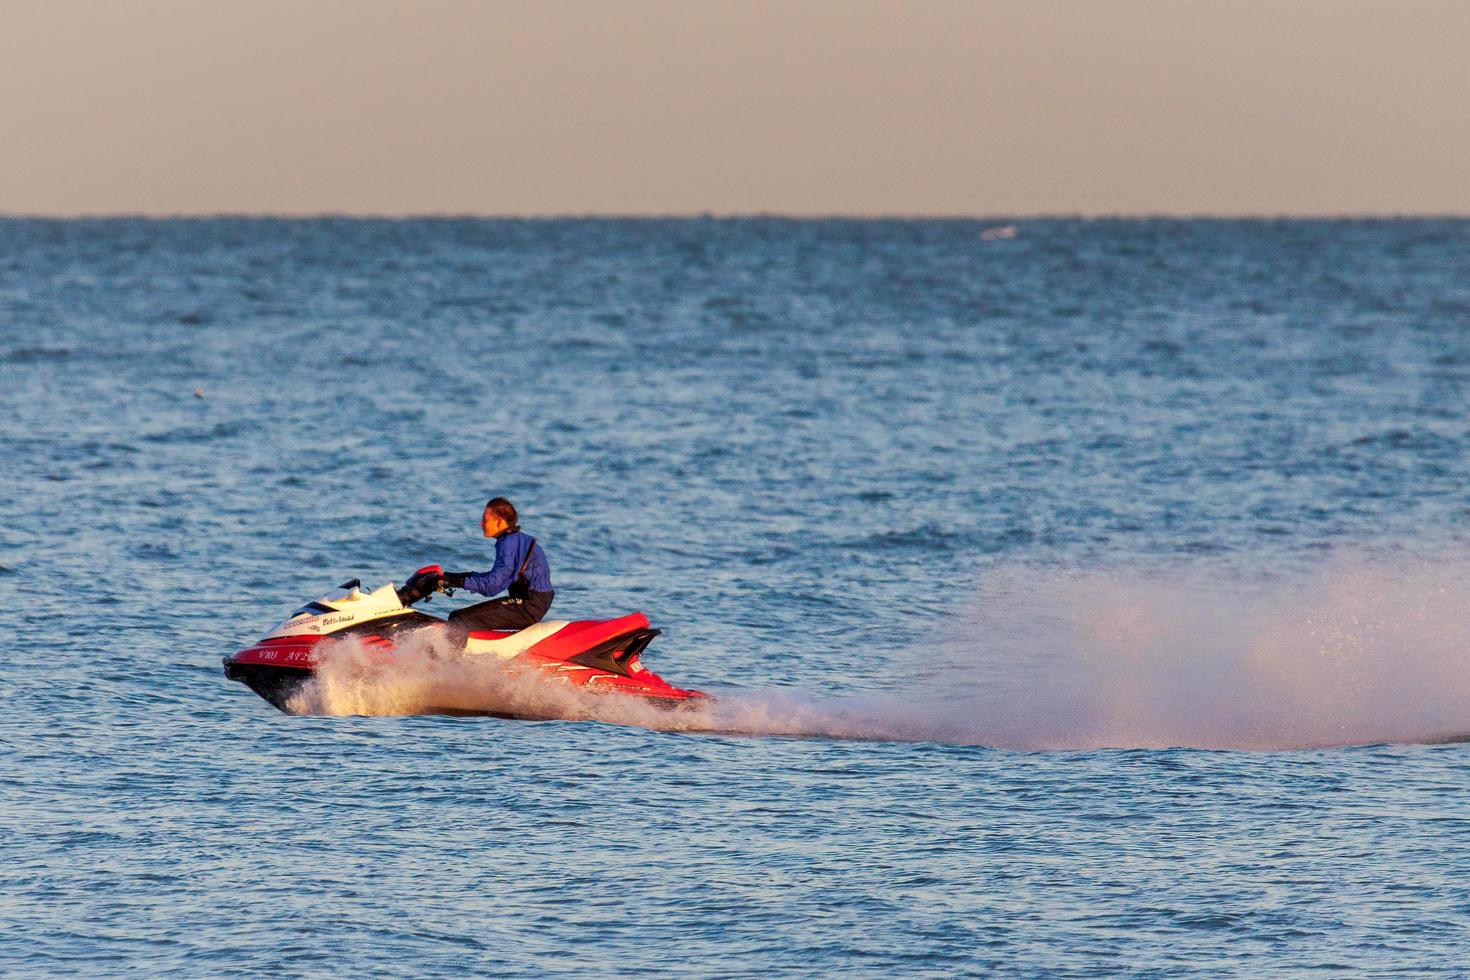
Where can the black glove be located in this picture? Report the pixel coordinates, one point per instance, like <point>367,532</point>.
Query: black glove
<point>454,580</point>
<point>420,586</point>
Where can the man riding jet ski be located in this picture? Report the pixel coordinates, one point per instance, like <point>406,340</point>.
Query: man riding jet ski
<point>597,655</point>
<point>602,656</point>
<point>520,570</point>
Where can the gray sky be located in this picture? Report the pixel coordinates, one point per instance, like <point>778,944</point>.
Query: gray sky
<point>682,106</point>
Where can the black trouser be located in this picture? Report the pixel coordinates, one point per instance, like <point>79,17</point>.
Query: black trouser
<point>504,613</point>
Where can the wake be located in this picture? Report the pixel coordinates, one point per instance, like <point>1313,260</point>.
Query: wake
<point>1362,652</point>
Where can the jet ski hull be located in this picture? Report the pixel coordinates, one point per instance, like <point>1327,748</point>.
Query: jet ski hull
<point>278,685</point>
<point>281,686</point>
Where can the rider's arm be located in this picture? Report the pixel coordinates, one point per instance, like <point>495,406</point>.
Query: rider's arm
<point>499,577</point>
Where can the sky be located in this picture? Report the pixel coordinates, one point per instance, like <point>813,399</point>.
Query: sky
<point>803,107</point>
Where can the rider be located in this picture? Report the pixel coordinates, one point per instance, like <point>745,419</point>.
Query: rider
<point>520,568</point>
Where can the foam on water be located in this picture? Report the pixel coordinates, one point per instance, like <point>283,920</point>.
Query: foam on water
<point>427,674</point>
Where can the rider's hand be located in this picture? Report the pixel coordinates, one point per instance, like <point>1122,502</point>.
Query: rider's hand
<point>453,580</point>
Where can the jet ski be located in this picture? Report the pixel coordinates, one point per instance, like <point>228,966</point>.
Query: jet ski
<point>603,656</point>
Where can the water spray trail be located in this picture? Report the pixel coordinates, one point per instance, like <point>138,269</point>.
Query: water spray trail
<point>1363,652</point>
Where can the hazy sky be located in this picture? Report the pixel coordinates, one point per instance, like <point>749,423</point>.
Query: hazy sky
<point>681,106</point>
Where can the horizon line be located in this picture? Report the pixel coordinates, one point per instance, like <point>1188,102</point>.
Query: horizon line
<point>996,217</point>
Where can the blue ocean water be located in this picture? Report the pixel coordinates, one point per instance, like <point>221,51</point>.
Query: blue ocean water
<point>1091,602</point>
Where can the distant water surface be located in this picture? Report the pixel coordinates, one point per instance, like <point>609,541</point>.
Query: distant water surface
<point>1091,602</point>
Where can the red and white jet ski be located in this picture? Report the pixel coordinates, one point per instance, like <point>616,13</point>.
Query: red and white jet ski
<point>601,655</point>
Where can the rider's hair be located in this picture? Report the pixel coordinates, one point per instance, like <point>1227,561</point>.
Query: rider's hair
<point>503,509</point>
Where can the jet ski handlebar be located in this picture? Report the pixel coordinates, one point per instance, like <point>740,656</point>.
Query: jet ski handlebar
<point>422,584</point>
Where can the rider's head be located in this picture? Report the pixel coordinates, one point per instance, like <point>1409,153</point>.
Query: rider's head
<point>499,517</point>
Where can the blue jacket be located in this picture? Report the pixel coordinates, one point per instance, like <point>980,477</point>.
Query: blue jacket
<point>510,551</point>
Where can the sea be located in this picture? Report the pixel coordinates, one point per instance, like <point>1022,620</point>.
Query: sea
<point>1080,598</point>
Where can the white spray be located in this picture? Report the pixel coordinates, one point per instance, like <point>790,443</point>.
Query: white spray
<point>1364,651</point>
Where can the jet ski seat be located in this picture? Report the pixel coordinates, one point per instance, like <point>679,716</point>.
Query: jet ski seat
<point>507,645</point>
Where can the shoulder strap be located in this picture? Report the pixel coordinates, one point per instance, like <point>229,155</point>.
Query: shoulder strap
<point>521,572</point>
